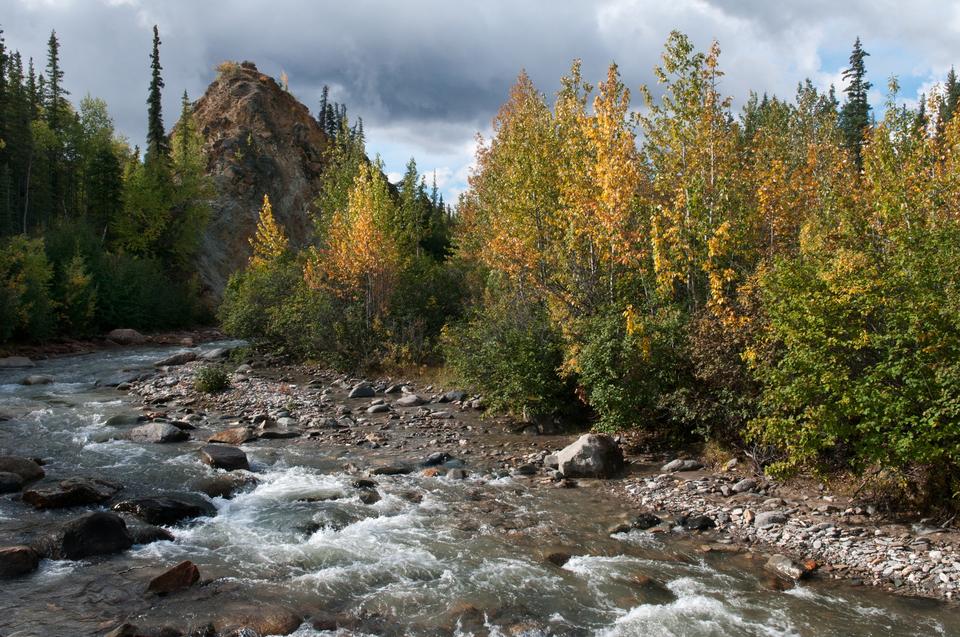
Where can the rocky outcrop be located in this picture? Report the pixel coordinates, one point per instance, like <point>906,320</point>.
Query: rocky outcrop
<point>259,140</point>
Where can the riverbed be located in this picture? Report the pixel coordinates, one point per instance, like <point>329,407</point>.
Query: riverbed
<point>432,555</point>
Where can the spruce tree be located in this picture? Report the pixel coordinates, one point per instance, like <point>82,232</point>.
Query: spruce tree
<point>156,137</point>
<point>951,95</point>
<point>855,114</point>
<point>54,96</point>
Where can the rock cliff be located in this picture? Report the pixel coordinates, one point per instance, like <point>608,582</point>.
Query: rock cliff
<point>259,140</point>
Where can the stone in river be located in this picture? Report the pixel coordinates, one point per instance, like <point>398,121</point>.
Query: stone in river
<point>10,482</point>
<point>176,359</point>
<point>166,510</point>
<point>37,379</point>
<point>70,493</point>
<point>258,618</point>
<point>409,400</point>
<point>681,465</point>
<point>17,560</point>
<point>233,436</point>
<point>785,567</point>
<point>224,457</point>
<point>362,390</point>
<point>125,336</point>
<point>99,533</point>
<point>769,518</point>
<point>747,484</point>
<point>16,361</point>
<point>157,432</point>
<point>183,575</point>
<point>27,469</point>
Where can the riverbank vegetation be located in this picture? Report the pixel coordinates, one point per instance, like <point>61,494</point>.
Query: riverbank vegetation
<point>783,279</point>
<point>92,235</point>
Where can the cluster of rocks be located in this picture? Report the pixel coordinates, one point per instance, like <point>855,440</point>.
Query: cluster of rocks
<point>845,540</point>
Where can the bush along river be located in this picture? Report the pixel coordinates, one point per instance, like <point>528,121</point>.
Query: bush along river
<point>306,503</point>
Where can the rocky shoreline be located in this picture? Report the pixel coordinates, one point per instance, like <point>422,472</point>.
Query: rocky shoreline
<point>823,535</point>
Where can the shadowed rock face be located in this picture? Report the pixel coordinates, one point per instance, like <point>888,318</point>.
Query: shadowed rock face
<point>259,140</point>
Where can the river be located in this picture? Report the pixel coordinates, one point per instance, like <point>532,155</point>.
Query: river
<point>432,557</point>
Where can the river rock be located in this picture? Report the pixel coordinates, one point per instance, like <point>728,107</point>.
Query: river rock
<point>167,510</point>
<point>273,620</point>
<point>222,485</point>
<point>785,567</point>
<point>233,436</point>
<point>457,474</point>
<point>126,336</point>
<point>215,354</point>
<point>224,457</point>
<point>378,409</point>
<point>17,560</point>
<point>591,456</point>
<point>71,493</point>
<point>453,396</point>
<point>681,465</point>
<point>435,459</point>
<point>16,361</point>
<point>143,533</point>
<point>769,518</point>
<point>99,533</point>
<point>124,420</point>
<point>27,469</point>
<point>10,482</point>
<point>362,390</point>
<point>157,432</point>
<point>37,379</point>
<point>697,522</point>
<point>369,496</point>
<point>183,575</point>
<point>176,359</point>
<point>409,400</point>
<point>391,470</point>
<point>747,484</point>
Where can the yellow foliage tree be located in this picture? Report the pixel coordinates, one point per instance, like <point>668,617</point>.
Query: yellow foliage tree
<point>269,242</point>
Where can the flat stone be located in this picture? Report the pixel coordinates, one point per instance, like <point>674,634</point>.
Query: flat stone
<point>409,400</point>
<point>18,560</point>
<point>747,484</point>
<point>391,470</point>
<point>363,390</point>
<point>378,409</point>
<point>233,436</point>
<point>182,576</point>
<point>70,493</point>
<point>224,457</point>
<point>27,469</point>
<point>167,510</point>
<point>126,336</point>
<point>157,432</point>
<point>681,465</point>
<point>179,358</point>
<point>769,518</point>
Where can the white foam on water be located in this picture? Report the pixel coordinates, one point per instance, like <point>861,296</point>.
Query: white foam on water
<point>54,570</point>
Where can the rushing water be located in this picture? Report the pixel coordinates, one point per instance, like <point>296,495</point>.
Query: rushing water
<point>432,557</point>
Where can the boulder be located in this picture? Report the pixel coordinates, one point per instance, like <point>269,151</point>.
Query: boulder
<point>143,533</point>
<point>126,336</point>
<point>71,493</point>
<point>453,396</point>
<point>457,474</point>
<point>224,457</point>
<point>262,620</point>
<point>176,359</point>
<point>37,379</point>
<point>769,518</point>
<point>697,522</point>
<point>591,456</point>
<point>681,465</point>
<point>167,510</point>
<point>362,390</point>
<point>222,485</point>
<point>215,354</point>
<point>233,436</point>
<point>409,400</point>
<point>10,482</point>
<point>157,432</point>
<point>183,575</point>
<point>747,484</point>
<point>16,361</point>
<point>785,567</point>
<point>391,470</point>
<point>124,420</point>
<point>378,409</point>
<point>99,533</point>
<point>17,560</point>
<point>27,469</point>
<point>436,458</point>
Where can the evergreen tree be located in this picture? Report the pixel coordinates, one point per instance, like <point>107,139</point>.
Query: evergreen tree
<point>855,114</point>
<point>53,98</point>
<point>948,104</point>
<point>156,137</point>
<point>34,90</point>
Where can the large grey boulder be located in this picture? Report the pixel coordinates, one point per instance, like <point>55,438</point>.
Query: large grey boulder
<point>362,390</point>
<point>37,379</point>
<point>591,456</point>
<point>769,518</point>
<point>785,567</point>
<point>71,493</point>
<point>409,400</point>
<point>99,533</point>
<point>158,432</point>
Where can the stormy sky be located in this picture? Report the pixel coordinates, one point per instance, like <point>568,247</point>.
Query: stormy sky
<point>427,75</point>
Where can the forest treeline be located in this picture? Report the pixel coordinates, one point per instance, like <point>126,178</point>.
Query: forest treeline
<point>94,234</point>
<point>782,280</point>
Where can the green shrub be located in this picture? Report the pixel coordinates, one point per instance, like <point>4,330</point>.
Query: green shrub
<point>136,292</point>
<point>509,351</point>
<point>865,370</point>
<point>630,378</point>
<point>211,379</point>
<point>252,293</point>
<point>27,310</point>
